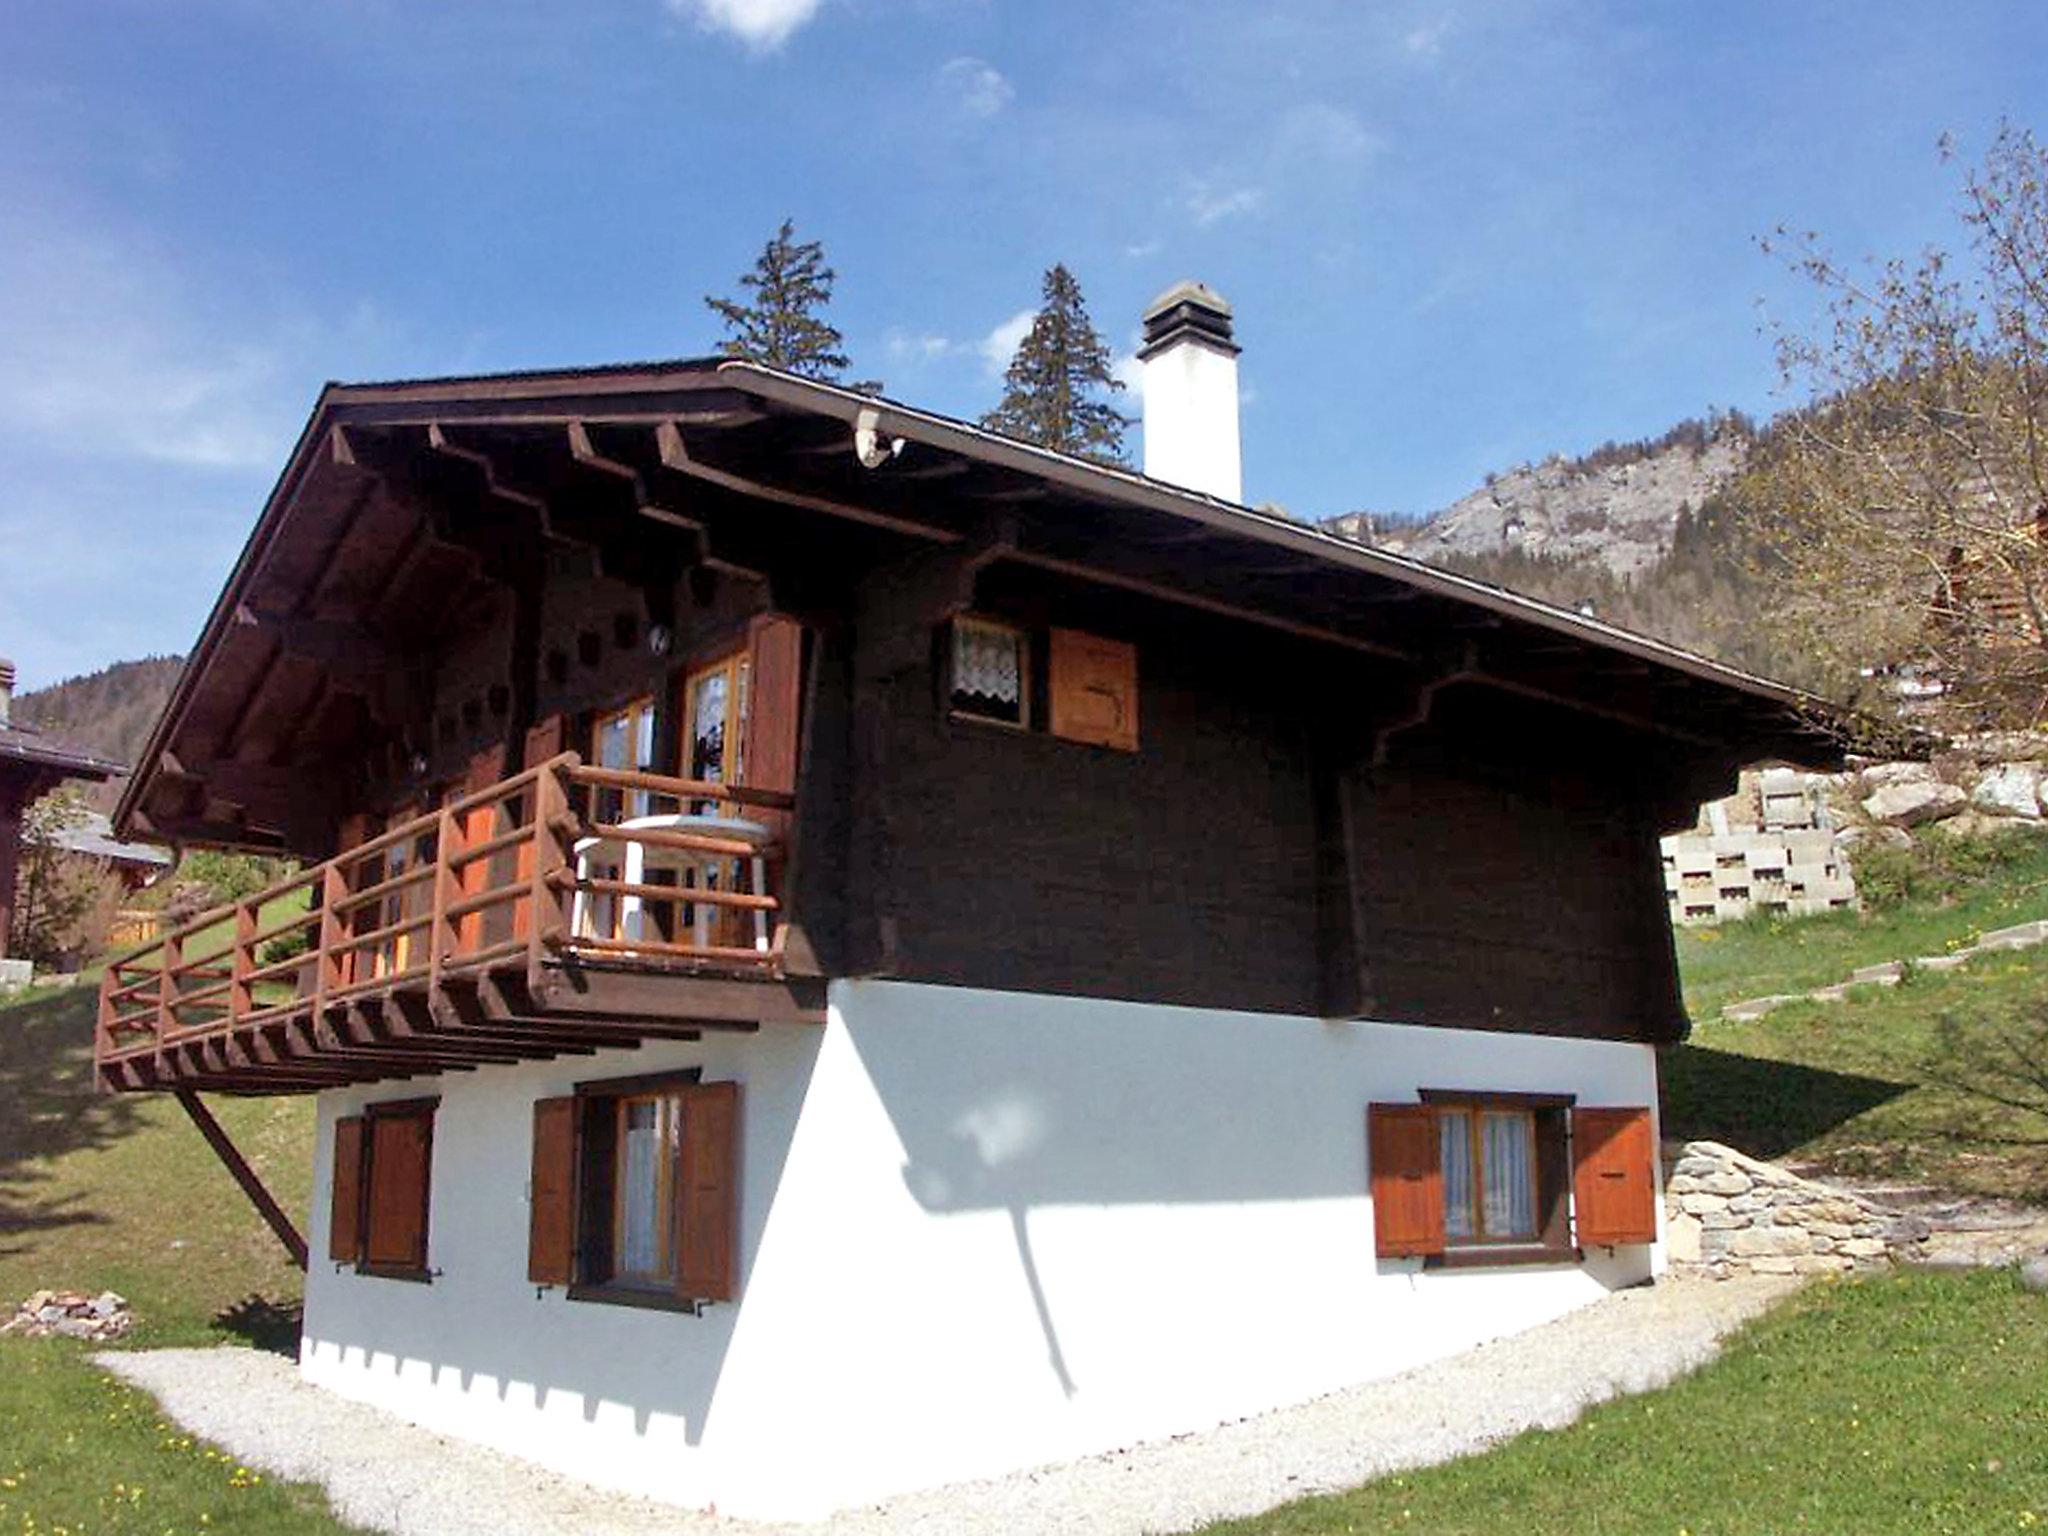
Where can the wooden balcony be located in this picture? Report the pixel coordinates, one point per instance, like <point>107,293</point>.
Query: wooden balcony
<point>566,909</point>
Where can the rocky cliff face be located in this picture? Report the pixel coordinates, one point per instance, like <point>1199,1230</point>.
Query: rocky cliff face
<point>1615,507</point>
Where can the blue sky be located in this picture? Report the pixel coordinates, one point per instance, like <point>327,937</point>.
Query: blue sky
<point>1457,235</point>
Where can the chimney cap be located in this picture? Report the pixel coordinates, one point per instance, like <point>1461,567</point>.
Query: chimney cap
<point>1188,291</point>
<point>1192,311</point>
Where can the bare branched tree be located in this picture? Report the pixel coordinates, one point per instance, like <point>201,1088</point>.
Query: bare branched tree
<point>1901,515</point>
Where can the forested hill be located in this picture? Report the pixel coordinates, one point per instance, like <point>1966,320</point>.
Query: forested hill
<point>1618,506</point>
<point>1641,533</point>
<point>108,712</point>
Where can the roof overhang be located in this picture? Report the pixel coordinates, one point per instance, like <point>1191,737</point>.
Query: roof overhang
<point>30,765</point>
<point>695,451</point>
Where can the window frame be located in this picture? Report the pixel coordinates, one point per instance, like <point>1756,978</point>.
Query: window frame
<point>424,1108</point>
<point>668,1112</point>
<point>598,1195</point>
<point>1551,1174</point>
<point>1026,668</point>
<point>643,723</point>
<point>736,665</point>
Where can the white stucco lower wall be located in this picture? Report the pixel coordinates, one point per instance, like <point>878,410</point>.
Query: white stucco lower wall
<point>980,1231</point>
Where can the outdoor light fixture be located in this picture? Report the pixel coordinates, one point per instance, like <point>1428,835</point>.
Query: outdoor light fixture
<point>659,639</point>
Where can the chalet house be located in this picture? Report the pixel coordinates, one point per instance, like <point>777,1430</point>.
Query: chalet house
<point>31,765</point>
<point>839,952</point>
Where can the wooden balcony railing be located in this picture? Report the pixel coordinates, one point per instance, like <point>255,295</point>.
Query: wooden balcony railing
<point>526,875</point>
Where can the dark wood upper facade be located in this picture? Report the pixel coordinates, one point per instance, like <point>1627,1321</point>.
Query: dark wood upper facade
<point>1338,783</point>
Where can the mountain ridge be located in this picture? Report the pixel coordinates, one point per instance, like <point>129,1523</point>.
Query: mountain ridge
<point>1619,505</point>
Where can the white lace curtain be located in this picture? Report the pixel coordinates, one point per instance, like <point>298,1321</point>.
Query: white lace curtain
<point>986,663</point>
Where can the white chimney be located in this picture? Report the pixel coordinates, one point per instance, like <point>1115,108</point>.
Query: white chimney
<point>1190,388</point>
<point>6,705</point>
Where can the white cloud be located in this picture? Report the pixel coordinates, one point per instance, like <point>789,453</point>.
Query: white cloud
<point>1427,40</point>
<point>108,359</point>
<point>1001,343</point>
<point>1211,204</point>
<point>977,86</point>
<point>915,346</point>
<point>1139,250</point>
<point>1330,132</point>
<point>763,25</point>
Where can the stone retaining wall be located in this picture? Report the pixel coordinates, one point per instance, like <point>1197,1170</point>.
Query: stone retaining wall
<point>1729,1214</point>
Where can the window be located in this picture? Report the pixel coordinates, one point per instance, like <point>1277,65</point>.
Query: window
<point>624,738</point>
<point>635,1191</point>
<point>715,705</point>
<point>1469,1178</point>
<point>990,673</point>
<point>409,902</point>
<point>381,1189</point>
<point>1488,1157</point>
<point>1090,683</point>
<point>643,1194</point>
<point>620,738</point>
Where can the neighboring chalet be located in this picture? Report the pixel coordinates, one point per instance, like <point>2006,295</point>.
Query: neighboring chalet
<point>31,765</point>
<point>846,952</point>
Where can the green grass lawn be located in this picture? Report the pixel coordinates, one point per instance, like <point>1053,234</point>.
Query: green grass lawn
<point>103,1192</point>
<point>1915,1404</point>
<point>1855,1085</point>
<point>1763,955</point>
<point>82,1454</point>
<point>114,1191</point>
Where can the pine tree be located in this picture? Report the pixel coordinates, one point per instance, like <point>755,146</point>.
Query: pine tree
<point>1050,391</point>
<point>779,323</point>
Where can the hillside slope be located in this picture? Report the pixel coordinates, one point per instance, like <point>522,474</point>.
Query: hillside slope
<point>108,712</point>
<point>105,1191</point>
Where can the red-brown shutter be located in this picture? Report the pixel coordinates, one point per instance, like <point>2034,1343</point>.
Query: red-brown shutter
<point>551,1228</point>
<point>351,833</point>
<point>345,1211</point>
<point>1093,696</point>
<point>543,741</point>
<point>477,826</point>
<point>1407,1181</point>
<point>707,1184</point>
<point>775,660</point>
<point>1614,1177</point>
<point>401,1161</point>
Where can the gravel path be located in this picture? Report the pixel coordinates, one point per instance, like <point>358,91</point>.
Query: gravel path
<point>390,1476</point>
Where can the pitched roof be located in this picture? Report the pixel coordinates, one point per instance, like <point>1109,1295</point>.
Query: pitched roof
<point>28,747</point>
<point>837,458</point>
<point>95,838</point>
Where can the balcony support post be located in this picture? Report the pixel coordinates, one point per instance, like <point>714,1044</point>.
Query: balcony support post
<point>232,1159</point>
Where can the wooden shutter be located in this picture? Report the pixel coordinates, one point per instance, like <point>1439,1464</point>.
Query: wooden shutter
<point>1094,690</point>
<point>551,1228</point>
<point>1614,1177</point>
<point>477,826</point>
<point>543,741</point>
<point>707,1192</point>
<point>1407,1181</point>
<point>401,1162</point>
<point>345,1210</point>
<point>775,651</point>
